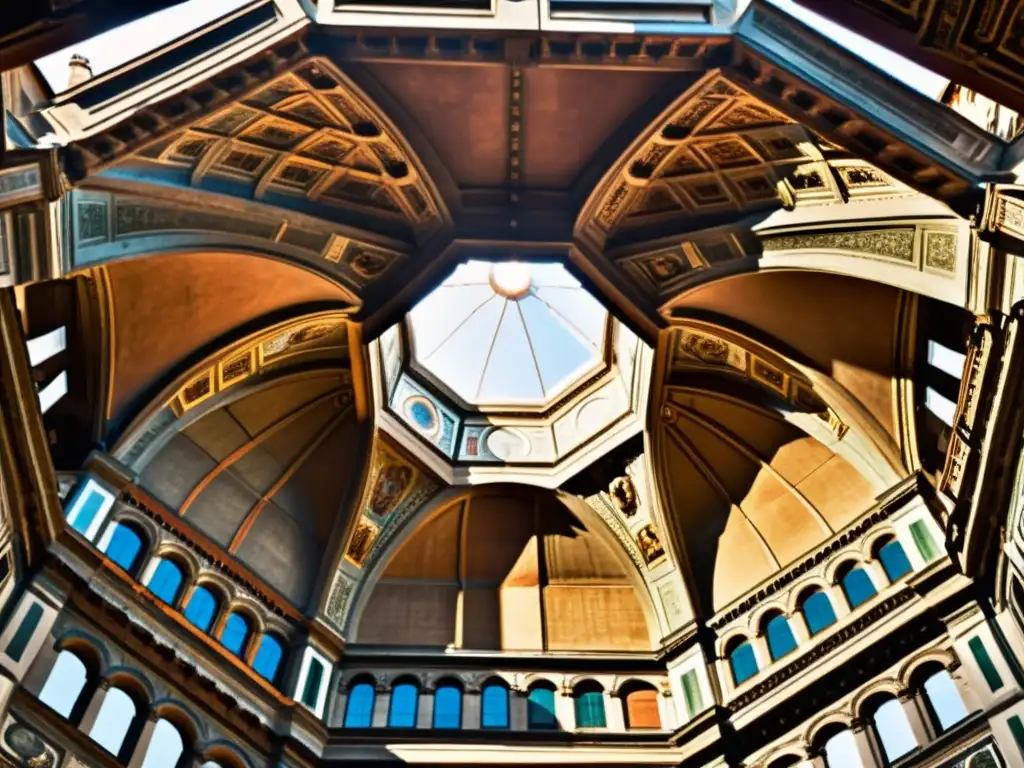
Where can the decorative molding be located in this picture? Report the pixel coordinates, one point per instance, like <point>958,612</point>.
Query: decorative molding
<point>842,636</point>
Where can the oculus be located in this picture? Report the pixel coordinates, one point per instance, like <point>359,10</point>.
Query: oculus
<point>508,334</point>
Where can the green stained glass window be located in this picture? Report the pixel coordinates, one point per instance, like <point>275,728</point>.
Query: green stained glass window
<point>19,642</point>
<point>311,691</point>
<point>988,669</point>
<point>692,694</point>
<point>924,540</point>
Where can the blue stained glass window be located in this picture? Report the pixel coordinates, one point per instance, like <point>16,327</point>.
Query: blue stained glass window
<point>540,708</point>
<point>124,547</point>
<point>894,560</point>
<point>858,587</point>
<point>201,608</point>
<point>268,658</point>
<point>743,662</point>
<point>818,612</point>
<point>404,701</point>
<point>494,707</point>
<point>166,581</point>
<point>87,510</point>
<point>590,709</point>
<point>447,707</point>
<point>359,711</point>
<point>235,633</point>
<point>780,637</point>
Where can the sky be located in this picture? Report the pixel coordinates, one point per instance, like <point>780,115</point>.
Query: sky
<point>117,46</point>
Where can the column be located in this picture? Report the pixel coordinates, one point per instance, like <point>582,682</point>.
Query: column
<point>667,711</point>
<point>93,708</point>
<point>875,570</point>
<point>840,605</point>
<point>565,710</point>
<point>913,708</point>
<point>141,745</point>
<point>798,624</point>
<point>518,719</point>
<point>866,745</point>
<point>761,653</point>
<point>337,714</point>
<point>614,717</point>
<point>6,689</point>
<point>381,705</point>
<point>471,709</point>
<point>425,708</point>
<point>972,702</point>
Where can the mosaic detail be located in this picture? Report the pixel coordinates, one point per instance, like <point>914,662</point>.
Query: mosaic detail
<point>650,545</point>
<point>309,133</point>
<point>665,270</point>
<point>267,349</point>
<point>702,348</point>
<point>894,244</point>
<point>395,489</point>
<point>940,251</point>
<point>337,601</point>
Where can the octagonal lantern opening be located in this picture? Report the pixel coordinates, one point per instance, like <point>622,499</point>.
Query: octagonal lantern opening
<point>501,335</point>
<point>511,367</point>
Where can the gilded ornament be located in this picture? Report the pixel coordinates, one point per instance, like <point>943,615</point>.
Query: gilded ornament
<point>623,495</point>
<point>940,251</point>
<point>650,545</point>
<point>362,541</point>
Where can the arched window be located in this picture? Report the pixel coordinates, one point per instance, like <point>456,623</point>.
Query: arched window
<point>202,607</point>
<point>818,611</point>
<point>780,637</point>
<point>494,706</point>
<point>944,702</point>
<point>166,581</point>
<point>540,708</point>
<point>841,751</point>
<point>235,634</point>
<point>113,720</point>
<point>447,706</point>
<point>165,748</point>
<point>742,660</point>
<point>404,702</point>
<point>124,547</point>
<point>65,684</point>
<point>857,586</point>
<point>359,710</point>
<point>640,707</point>
<point>589,699</point>
<point>894,560</point>
<point>893,730</point>
<point>268,657</point>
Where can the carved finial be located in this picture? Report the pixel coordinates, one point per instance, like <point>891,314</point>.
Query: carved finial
<point>78,70</point>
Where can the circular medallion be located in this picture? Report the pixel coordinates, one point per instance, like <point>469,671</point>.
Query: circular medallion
<point>511,279</point>
<point>23,742</point>
<point>423,415</point>
<point>508,444</point>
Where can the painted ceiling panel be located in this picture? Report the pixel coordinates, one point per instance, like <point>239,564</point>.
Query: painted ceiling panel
<point>564,126</point>
<point>461,111</point>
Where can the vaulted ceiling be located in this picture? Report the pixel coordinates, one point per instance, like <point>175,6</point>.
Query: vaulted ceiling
<point>243,236</point>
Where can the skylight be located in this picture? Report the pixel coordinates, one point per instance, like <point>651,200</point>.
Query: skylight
<point>508,333</point>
